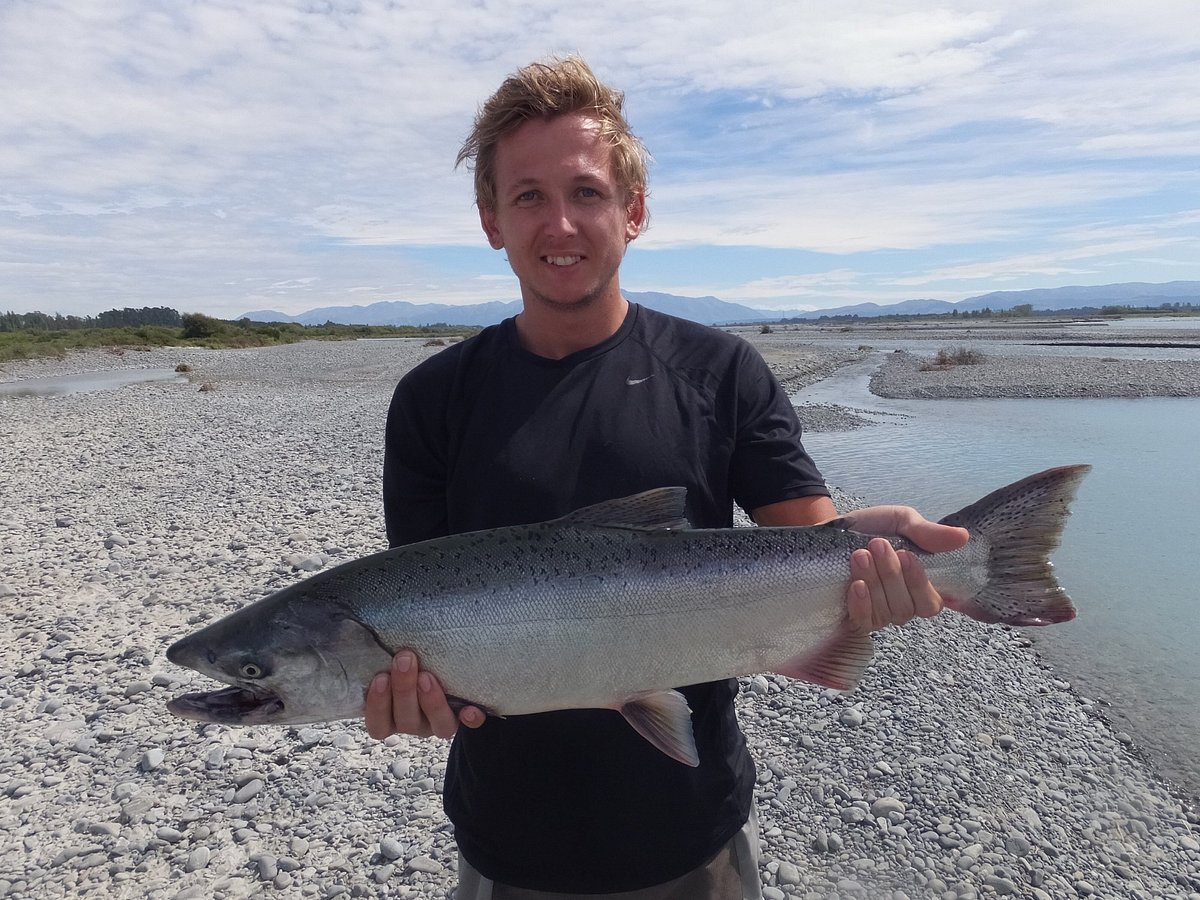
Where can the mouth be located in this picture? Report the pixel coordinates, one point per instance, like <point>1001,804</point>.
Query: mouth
<point>562,261</point>
<point>229,706</point>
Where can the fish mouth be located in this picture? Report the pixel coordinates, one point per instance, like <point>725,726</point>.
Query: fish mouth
<point>229,706</point>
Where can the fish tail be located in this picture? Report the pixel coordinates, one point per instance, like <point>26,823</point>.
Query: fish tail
<point>1020,524</point>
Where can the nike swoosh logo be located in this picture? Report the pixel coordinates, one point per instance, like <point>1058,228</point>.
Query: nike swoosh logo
<point>632,381</point>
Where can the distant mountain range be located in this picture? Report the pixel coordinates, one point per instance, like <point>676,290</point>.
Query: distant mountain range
<point>712,311</point>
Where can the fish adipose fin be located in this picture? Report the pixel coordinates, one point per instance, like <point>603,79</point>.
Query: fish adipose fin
<point>837,662</point>
<point>658,510</point>
<point>664,719</point>
<point>1022,524</point>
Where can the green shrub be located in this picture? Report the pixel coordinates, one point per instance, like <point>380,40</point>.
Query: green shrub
<point>958,356</point>
<point>198,325</point>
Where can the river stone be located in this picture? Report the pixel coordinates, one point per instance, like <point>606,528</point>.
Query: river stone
<point>885,805</point>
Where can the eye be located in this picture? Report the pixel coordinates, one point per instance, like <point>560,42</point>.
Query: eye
<point>251,670</point>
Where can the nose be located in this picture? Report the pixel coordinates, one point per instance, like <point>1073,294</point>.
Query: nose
<point>560,219</point>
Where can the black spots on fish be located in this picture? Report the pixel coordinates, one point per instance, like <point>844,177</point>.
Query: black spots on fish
<point>1020,525</point>
<point>761,552</point>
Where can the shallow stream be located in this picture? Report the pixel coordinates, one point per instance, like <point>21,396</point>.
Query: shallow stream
<point>1129,553</point>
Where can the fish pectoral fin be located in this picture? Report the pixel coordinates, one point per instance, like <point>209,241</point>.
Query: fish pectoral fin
<point>664,719</point>
<point>837,662</point>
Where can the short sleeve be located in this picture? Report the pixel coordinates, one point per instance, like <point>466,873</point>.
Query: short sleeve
<point>769,461</point>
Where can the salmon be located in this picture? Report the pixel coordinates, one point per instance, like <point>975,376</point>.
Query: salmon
<point>612,606</point>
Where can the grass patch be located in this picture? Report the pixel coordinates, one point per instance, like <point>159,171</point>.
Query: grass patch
<point>949,358</point>
<point>198,331</point>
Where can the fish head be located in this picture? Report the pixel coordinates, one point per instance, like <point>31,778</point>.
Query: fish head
<point>289,659</point>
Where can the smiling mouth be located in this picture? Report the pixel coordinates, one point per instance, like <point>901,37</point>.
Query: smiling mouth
<point>562,260</point>
<point>230,706</point>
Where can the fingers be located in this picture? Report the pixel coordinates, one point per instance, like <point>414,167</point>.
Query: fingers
<point>926,601</point>
<point>406,700</point>
<point>878,569</point>
<point>471,716</point>
<point>888,588</point>
<point>377,707</point>
<point>434,709</point>
<point>858,604</point>
<point>391,705</point>
<point>932,537</point>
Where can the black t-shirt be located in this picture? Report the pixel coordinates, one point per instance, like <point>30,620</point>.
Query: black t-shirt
<point>486,434</point>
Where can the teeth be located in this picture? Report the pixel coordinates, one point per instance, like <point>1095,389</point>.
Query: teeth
<point>562,260</point>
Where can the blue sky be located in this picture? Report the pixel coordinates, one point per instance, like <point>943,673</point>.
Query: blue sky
<point>221,157</point>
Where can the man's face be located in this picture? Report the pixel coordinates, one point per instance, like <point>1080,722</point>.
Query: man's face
<point>560,215</point>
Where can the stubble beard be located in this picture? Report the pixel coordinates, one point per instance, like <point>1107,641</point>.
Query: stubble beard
<point>582,303</point>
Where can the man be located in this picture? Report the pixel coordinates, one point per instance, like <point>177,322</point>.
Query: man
<point>584,397</point>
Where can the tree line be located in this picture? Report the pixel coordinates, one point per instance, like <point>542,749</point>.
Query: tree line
<point>113,318</point>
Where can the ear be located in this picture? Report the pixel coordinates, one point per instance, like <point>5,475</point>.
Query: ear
<point>635,218</point>
<point>487,218</point>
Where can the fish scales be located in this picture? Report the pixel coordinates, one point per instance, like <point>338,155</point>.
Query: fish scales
<point>583,597</point>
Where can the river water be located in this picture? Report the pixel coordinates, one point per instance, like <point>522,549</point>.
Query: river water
<point>57,385</point>
<point>1130,549</point>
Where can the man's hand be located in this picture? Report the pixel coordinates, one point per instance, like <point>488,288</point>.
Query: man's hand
<point>889,587</point>
<point>409,701</point>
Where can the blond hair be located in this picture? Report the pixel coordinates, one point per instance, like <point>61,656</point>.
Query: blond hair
<point>545,91</point>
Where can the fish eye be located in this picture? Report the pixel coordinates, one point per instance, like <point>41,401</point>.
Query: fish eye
<point>251,670</point>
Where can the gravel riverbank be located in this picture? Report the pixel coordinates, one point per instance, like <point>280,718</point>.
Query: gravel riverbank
<point>961,767</point>
<point>917,377</point>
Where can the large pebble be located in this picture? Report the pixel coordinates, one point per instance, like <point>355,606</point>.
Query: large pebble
<point>391,848</point>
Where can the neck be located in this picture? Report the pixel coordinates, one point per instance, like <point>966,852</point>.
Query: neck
<point>556,331</point>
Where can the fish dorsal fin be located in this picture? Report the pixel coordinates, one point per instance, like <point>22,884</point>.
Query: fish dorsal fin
<point>660,509</point>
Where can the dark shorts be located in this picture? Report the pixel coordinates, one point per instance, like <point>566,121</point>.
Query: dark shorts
<point>730,875</point>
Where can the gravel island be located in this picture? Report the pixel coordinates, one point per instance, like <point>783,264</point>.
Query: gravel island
<point>962,767</point>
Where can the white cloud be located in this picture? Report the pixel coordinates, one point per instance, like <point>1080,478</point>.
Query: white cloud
<point>130,128</point>
<point>1056,262</point>
<point>860,211</point>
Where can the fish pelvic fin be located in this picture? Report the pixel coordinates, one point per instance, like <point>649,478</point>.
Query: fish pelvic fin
<point>837,662</point>
<point>660,509</point>
<point>664,719</point>
<point>1022,524</point>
